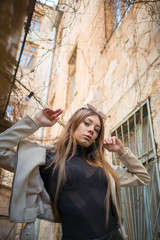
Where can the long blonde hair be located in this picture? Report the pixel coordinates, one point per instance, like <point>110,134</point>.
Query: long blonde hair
<point>65,148</point>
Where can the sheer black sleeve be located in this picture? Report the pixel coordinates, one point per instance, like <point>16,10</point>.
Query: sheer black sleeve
<point>49,179</point>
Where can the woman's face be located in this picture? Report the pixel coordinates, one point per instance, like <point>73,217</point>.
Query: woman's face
<point>88,131</point>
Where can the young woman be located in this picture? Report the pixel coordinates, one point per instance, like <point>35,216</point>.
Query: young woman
<point>72,177</point>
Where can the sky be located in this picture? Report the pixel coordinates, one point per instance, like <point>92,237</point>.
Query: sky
<point>48,2</point>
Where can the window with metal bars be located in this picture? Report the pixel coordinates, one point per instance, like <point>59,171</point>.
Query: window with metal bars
<point>140,205</point>
<point>136,133</point>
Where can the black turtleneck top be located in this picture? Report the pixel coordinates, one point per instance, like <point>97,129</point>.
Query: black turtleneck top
<point>81,200</point>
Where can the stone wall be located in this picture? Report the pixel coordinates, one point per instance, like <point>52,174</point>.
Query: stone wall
<point>114,76</point>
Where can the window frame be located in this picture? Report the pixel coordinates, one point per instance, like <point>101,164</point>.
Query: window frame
<point>140,205</point>
<point>151,153</point>
<point>28,51</point>
<point>70,93</point>
<point>34,21</point>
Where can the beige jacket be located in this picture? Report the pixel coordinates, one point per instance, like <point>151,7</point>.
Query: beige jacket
<point>29,198</point>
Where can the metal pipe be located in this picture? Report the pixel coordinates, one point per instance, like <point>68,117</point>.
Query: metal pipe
<point>57,18</point>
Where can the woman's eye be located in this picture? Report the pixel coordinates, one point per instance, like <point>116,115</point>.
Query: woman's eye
<point>86,123</point>
<point>97,130</point>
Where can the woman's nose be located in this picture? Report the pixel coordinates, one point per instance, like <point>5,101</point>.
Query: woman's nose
<point>91,129</point>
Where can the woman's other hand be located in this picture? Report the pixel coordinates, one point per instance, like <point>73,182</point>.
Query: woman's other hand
<point>113,144</point>
<point>47,117</point>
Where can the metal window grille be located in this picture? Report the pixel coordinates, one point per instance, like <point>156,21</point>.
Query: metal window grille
<point>140,205</point>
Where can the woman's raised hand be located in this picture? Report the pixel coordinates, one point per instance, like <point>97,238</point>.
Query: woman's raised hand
<point>47,117</point>
<point>114,144</point>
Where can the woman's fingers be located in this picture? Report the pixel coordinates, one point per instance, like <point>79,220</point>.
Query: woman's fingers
<point>47,117</point>
<point>110,140</point>
<point>50,111</point>
<point>57,113</point>
<point>52,114</point>
<point>114,144</point>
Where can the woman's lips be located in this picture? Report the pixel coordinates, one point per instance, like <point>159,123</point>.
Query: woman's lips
<point>87,137</point>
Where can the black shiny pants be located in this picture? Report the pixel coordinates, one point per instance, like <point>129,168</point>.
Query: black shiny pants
<point>115,235</point>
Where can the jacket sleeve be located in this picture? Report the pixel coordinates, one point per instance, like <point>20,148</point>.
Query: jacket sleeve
<point>134,174</point>
<point>10,138</point>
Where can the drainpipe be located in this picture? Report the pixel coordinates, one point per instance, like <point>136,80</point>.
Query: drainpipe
<point>57,18</point>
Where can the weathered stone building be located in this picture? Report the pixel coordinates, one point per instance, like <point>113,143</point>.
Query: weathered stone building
<point>105,53</point>
<point>15,18</point>
<point>35,65</point>
<point>14,25</point>
<point>108,54</point>
<point>33,75</point>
